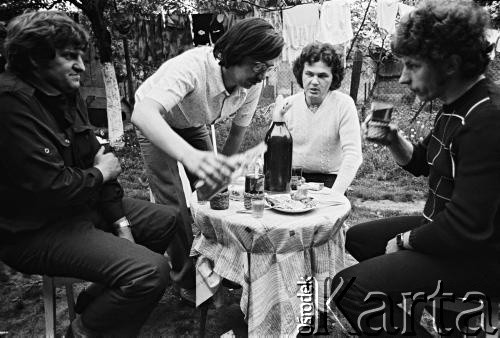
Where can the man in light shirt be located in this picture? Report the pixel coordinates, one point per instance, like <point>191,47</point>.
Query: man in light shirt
<point>197,88</point>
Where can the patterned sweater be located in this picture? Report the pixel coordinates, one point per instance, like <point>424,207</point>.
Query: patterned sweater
<point>461,157</point>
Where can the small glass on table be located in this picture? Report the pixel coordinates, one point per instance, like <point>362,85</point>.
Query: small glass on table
<point>254,186</point>
<point>258,205</point>
<point>297,179</point>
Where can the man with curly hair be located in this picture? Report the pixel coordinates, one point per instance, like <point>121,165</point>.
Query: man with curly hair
<point>453,247</point>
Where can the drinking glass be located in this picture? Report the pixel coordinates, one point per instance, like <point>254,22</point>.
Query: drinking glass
<point>296,180</point>
<point>378,126</point>
<point>258,206</point>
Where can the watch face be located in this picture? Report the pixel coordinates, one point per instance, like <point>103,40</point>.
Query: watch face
<point>399,241</point>
<point>123,223</point>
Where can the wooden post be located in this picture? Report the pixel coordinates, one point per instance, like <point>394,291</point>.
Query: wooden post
<point>356,74</point>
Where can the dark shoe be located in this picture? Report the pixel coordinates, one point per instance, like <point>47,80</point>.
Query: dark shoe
<point>81,331</point>
<point>82,301</point>
<point>186,278</point>
<point>87,296</point>
<point>188,296</point>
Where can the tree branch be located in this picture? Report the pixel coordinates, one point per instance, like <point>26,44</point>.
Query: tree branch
<point>359,29</point>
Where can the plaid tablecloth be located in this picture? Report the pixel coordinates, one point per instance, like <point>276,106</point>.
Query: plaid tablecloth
<point>269,256</point>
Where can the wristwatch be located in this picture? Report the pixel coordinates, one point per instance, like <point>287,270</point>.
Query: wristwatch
<point>121,223</point>
<point>399,241</point>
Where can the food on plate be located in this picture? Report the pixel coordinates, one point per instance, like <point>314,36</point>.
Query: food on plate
<point>285,202</point>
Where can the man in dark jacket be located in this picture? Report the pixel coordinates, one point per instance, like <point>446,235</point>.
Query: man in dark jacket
<point>453,248</point>
<point>61,205</point>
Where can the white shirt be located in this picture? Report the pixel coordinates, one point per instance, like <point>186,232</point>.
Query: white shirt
<point>191,89</point>
<point>335,24</point>
<point>327,141</point>
<point>300,25</point>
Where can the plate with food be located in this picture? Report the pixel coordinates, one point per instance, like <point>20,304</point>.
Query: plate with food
<point>285,203</point>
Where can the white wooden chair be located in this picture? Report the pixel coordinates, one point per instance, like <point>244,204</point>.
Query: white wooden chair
<point>49,301</point>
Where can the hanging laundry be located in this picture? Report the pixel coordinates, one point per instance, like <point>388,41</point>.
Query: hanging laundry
<point>201,29</point>
<point>177,34</point>
<point>404,9</point>
<point>387,11</point>
<point>217,27</point>
<point>335,25</point>
<point>141,37</point>
<point>300,25</point>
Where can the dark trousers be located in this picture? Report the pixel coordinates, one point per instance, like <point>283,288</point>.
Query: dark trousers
<point>163,173</point>
<point>404,271</point>
<point>135,275</point>
<point>327,179</point>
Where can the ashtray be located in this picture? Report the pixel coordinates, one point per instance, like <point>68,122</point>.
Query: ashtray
<point>220,201</point>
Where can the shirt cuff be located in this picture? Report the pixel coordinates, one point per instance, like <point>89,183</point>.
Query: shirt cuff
<point>97,174</point>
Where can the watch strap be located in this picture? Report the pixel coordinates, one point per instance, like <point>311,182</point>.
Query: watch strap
<point>399,241</point>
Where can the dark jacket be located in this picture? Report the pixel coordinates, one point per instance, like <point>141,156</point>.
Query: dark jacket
<point>48,149</point>
<point>461,157</point>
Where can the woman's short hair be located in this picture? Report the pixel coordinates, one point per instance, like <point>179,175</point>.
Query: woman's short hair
<point>315,52</point>
<point>438,29</point>
<point>254,38</point>
<point>35,36</point>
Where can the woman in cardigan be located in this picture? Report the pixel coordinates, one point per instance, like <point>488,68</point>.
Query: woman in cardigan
<point>323,121</point>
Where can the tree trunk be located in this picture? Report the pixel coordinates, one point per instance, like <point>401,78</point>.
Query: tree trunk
<point>113,106</point>
<point>94,10</point>
<point>130,83</point>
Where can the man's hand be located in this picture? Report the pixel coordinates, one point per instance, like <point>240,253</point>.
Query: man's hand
<point>108,164</point>
<point>389,137</point>
<point>214,170</point>
<point>392,246</point>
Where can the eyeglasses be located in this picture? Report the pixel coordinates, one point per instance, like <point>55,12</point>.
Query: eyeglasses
<point>262,67</point>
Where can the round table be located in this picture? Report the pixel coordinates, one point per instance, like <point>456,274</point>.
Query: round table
<point>269,257</point>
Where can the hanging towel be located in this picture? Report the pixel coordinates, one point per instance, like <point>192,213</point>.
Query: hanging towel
<point>386,15</point>
<point>404,9</point>
<point>335,25</point>
<point>177,34</point>
<point>217,27</point>
<point>300,25</point>
<point>201,28</point>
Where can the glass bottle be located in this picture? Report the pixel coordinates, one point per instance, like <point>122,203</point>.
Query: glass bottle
<point>278,157</point>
